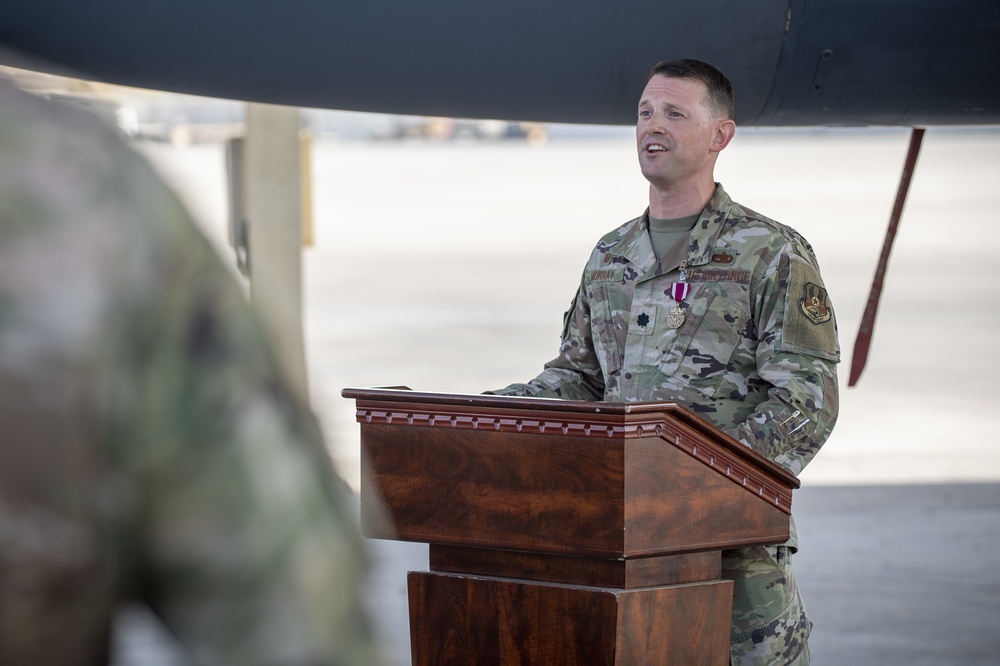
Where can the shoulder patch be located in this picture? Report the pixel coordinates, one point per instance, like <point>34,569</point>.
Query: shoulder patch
<point>815,303</point>
<point>809,324</point>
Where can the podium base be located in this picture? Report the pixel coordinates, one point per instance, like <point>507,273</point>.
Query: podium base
<point>485,620</point>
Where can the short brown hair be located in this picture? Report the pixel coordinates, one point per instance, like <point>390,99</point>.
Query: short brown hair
<point>720,91</point>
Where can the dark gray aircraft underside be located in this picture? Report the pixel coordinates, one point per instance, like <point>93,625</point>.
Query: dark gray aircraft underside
<point>797,62</point>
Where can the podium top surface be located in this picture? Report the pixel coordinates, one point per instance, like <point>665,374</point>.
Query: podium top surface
<point>593,479</point>
<point>642,413</point>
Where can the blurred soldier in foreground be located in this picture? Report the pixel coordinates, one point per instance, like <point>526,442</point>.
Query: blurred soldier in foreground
<point>149,448</point>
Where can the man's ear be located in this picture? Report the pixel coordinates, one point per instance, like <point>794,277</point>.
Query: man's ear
<point>724,133</point>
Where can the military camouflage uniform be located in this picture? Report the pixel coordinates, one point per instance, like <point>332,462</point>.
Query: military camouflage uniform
<point>755,356</point>
<point>149,448</point>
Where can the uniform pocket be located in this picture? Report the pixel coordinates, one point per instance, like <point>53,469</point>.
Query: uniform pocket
<point>605,323</point>
<point>701,354</point>
<point>770,625</point>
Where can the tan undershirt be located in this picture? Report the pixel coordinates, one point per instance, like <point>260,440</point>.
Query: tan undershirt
<point>669,239</point>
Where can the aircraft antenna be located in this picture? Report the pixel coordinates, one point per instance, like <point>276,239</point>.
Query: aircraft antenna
<point>864,338</point>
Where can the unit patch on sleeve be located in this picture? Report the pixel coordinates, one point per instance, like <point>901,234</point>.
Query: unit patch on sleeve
<point>814,303</point>
<point>809,324</point>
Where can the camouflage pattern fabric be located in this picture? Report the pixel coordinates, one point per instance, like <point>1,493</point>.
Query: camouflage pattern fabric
<point>755,354</point>
<point>150,448</point>
<point>770,625</point>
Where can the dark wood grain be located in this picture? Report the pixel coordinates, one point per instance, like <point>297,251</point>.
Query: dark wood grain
<point>674,502</point>
<point>593,496</point>
<point>667,421</point>
<point>681,625</point>
<point>594,572</point>
<point>530,492</point>
<point>564,532</point>
<point>487,621</point>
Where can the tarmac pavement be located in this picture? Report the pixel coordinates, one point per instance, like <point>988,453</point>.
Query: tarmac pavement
<point>901,575</point>
<point>891,576</point>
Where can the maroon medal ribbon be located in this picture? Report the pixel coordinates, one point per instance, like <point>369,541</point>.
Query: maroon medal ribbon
<point>678,291</point>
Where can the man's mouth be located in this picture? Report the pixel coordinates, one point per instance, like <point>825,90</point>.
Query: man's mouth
<point>655,148</point>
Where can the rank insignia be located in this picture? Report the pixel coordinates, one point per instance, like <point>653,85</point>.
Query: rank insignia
<point>642,320</point>
<point>814,304</point>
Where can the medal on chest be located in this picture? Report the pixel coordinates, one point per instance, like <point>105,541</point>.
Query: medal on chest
<point>678,291</point>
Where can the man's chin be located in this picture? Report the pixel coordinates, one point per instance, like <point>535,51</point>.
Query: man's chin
<point>656,177</point>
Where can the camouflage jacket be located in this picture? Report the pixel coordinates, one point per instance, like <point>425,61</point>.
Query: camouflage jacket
<point>756,353</point>
<point>149,447</point>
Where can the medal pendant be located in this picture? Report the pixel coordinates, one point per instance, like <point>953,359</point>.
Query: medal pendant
<point>675,318</point>
<point>678,292</point>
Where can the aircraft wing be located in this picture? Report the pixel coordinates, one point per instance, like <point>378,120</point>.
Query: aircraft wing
<point>792,62</point>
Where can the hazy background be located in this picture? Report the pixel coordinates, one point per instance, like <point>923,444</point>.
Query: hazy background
<point>447,265</point>
<point>445,255</point>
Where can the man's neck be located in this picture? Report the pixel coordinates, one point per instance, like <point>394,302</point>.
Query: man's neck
<point>669,204</point>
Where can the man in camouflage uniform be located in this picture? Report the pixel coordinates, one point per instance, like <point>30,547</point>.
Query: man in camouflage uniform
<point>708,304</point>
<point>149,447</point>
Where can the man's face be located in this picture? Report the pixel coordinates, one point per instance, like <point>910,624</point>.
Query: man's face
<point>675,132</point>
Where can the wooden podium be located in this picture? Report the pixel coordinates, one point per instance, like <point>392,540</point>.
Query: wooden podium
<point>564,532</point>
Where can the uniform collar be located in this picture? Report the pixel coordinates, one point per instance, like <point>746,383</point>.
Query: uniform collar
<point>637,247</point>
<point>708,227</point>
